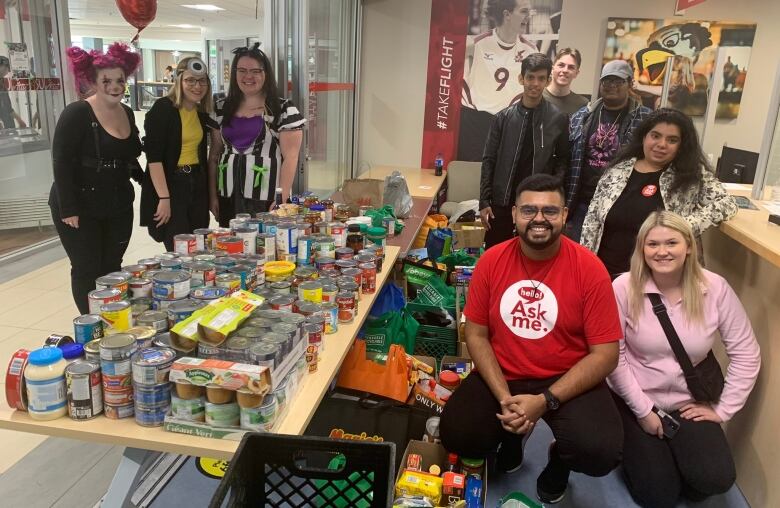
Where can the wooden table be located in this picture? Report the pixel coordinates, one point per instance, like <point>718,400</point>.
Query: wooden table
<point>422,182</point>
<point>127,433</point>
<point>752,229</point>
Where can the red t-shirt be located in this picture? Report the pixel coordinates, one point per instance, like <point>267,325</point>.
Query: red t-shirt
<point>542,332</point>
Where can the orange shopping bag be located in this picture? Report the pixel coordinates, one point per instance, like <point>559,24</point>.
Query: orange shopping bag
<point>389,380</point>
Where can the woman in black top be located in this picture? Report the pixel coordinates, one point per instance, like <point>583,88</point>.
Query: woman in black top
<point>174,194</point>
<point>94,151</point>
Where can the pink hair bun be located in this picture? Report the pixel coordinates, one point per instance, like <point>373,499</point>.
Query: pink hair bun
<point>86,64</point>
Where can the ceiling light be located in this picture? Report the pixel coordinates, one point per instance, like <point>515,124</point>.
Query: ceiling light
<point>204,7</point>
<point>184,26</point>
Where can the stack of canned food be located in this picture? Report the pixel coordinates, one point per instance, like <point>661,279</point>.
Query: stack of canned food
<point>151,389</point>
<point>116,352</point>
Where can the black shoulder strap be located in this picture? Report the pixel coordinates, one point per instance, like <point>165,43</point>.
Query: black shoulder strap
<point>674,340</point>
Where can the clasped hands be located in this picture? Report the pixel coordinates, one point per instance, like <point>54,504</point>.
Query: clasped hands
<point>519,413</point>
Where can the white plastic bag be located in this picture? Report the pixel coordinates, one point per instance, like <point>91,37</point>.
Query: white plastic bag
<point>397,195</point>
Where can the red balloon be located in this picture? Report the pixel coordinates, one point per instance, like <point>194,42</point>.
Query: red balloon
<point>138,13</point>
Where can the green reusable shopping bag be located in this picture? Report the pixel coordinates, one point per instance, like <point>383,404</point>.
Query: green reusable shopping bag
<point>345,493</point>
<point>395,327</point>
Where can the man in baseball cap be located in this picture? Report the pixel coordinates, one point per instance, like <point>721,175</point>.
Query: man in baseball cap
<point>597,131</point>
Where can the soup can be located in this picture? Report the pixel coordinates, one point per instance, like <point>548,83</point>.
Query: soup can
<point>112,281</point>
<point>87,328</point>
<point>140,287</point>
<point>185,244</point>
<point>151,365</point>
<point>202,274</point>
<point>230,244</point>
<point>282,302</point>
<point>117,316</point>
<point>248,235</point>
<point>84,389</point>
<point>135,270</point>
<point>202,239</point>
<point>310,291</point>
<point>344,253</point>
<point>329,292</point>
<point>330,310</point>
<point>99,297</point>
<point>171,285</point>
<point>369,277</point>
<point>346,304</point>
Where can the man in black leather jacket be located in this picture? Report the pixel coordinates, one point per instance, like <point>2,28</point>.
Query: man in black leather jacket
<point>530,136</point>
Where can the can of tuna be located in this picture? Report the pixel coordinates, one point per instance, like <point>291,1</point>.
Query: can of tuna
<point>207,294</point>
<point>134,270</point>
<point>297,321</point>
<point>140,287</point>
<point>206,350</point>
<point>117,316</point>
<point>248,235</point>
<point>150,263</point>
<point>162,305</point>
<point>171,285</point>
<point>184,244</point>
<point>84,389</point>
<point>99,297</point>
<point>201,239</point>
<point>92,350</point>
<point>281,287</point>
<point>265,354</point>
<point>151,416</point>
<point>230,282</point>
<point>158,320</point>
<point>330,310</point>
<point>202,274</point>
<point>118,412</point>
<point>15,388</point>
<point>152,365</point>
<point>57,340</point>
<point>308,308</point>
<point>149,395</point>
<point>119,346</point>
<point>288,330</point>
<point>267,242</point>
<point>230,244</point>
<point>170,265</point>
<point>191,410</point>
<point>112,281</point>
<point>181,310</point>
<point>116,368</point>
<point>237,349</point>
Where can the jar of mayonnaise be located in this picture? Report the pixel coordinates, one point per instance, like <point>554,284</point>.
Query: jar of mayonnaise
<point>45,379</point>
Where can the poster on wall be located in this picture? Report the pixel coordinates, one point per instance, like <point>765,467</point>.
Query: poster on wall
<point>734,70</point>
<point>692,45</point>
<point>20,61</point>
<point>476,48</point>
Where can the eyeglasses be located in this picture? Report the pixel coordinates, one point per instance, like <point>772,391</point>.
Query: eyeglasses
<point>196,81</point>
<point>613,81</point>
<point>529,212</point>
<point>253,72</point>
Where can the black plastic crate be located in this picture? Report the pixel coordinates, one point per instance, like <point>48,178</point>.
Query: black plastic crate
<point>292,471</point>
<point>436,342</point>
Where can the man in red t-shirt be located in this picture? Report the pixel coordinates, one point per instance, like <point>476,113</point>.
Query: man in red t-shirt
<point>542,328</point>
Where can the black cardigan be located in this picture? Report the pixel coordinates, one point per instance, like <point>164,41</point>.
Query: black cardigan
<point>162,143</point>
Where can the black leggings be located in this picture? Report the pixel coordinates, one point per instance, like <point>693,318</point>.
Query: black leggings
<point>587,428</point>
<point>696,463</point>
<point>94,249</point>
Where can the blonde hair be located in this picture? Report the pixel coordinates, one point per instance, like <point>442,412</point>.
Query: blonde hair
<point>176,93</point>
<point>692,277</point>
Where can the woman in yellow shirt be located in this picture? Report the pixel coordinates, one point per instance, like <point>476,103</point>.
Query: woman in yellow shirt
<point>174,194</point>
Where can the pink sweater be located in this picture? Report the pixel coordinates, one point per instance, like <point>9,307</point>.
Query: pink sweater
<point>648,373</point>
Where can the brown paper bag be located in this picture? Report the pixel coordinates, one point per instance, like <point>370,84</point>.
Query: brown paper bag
<point>359,192</point>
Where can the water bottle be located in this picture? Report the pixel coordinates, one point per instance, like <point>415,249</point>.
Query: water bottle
<point>438,164</point>
<point>278,198</point>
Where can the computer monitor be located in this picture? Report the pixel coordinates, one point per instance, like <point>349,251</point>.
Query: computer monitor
<point>737,166</point>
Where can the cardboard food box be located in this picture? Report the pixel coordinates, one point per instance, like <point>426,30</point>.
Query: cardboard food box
<point>434,453</point>
<point>226,374</point>
<point>467,234</point>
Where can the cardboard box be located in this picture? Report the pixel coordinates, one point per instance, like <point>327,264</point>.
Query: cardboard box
<point>461,365</point>
<point>467,234</point>
<point>434,453</point>
<point>226,374</point>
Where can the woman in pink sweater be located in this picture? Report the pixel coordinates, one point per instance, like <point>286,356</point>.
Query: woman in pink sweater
<point>696,462</point>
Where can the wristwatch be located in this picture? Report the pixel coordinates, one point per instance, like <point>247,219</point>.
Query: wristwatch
<point>552,401</point>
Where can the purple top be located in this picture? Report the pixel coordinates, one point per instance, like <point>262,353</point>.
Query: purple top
<point>243,131</point>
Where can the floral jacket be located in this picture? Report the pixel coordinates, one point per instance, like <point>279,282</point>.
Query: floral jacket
<point>705,206</point>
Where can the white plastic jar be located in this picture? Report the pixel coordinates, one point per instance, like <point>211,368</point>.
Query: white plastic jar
<point>45,379</point>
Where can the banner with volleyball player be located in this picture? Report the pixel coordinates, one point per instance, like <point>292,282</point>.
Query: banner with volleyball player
<point>474,55</point>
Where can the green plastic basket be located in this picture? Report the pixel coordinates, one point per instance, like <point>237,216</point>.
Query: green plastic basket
<point>445,343</point>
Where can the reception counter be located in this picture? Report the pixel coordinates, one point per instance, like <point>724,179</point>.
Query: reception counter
<point>746,251</point>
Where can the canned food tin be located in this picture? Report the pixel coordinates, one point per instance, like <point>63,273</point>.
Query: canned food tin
<point>288,330</point>
<point>254,223</point>
<point>203,257</point>
<point>191,410</point>
<point>248,235</point>
<point>119,346</point>
<point>325,263</point>
<point>379,252</point>
<point>246,273</point>
<point>270,227</point>
<point>201,239</point>
<point>287,239</point>
<point>181,310</point>
<point>223,264</point>
<point>118,396</point>
<point>150,263</point>
<point>350,285</point>
<point>151,416</point>
<point>304,255</point>
<point>271,314</point>
<point>345,264</point>
<point>320,228</point>
<point>369,277</point>
<point>310,291</point>
<point>202,274</point>
<point>230,244</point>
<point>112,281</point>
<point>118,412</point>
<point>312,356</point>
<point>117,316</point>
<point>279,340</point>
<point>222,415</point>
<point>100,297</point>
<point>184,244</point>
<point>313,333</point>
<point>135,270</point>
<point>143,335</point>
<point>237,349</point>
<point>155,319</point>
<point>282,302</point>
<point>267,242</point>
<point>116,368</point>
<point>260,419</point>
<point>84,389</point>
<point>15,387</point>
<point>329,292</point>
<point>140,287</point>
<point>171,285</point>
<point>344,253</point>
<point>207,294</point>
<point>230,282</point>
<point>317,320</point>
<point>324,247</point>
<point>140,305</point>
<point>151,365</point>
<point>206,350</point>
<point>92,350</point>
<point>265,354</point>
<point>346,303</point>
<point>168,265</point>
<point>166,255</point>
<point>389,224</point>
<point>149,395</point>
<point>297,321</point>
<point>281,287</point>
<point>339,233</point>
<point>253,333</point>
<point>330,310</point>
<point>356,274</point>
<point>308,308</point>
<point>57,340</point>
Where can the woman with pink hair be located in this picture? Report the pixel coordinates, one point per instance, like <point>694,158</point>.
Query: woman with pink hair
<point>95,151</point>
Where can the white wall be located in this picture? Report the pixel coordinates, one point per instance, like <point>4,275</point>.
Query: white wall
<point>395,58</point>
<point>393,68</point>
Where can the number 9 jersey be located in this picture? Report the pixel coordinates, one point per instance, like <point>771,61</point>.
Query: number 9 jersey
<point>492,70</point>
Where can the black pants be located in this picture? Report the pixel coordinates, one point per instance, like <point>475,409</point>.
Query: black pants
<point>94,249</point>
<point>696,463</point>
<point>189,204</point>
<point>587,428</point>
<point>502,226</point>
<point>229,207</point>
<point>474,128</point>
